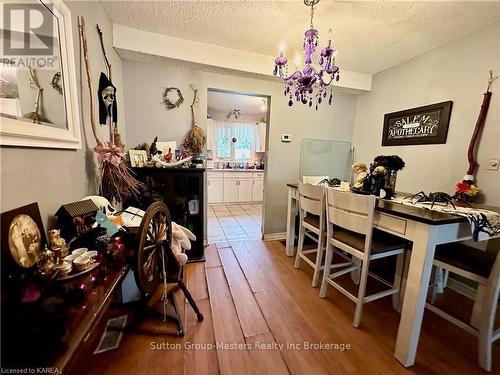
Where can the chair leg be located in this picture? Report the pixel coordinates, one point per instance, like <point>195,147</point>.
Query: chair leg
<point>356,274</point>
<point>319,256</point>
<point>475,318</point>
<point>398,277</point>
<point>300,245</point>
<point>487,322</point>
<point>326,271</point>
<point>361,293</point>
<point>433,286</point>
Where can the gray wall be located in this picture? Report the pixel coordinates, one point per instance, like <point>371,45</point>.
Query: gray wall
<point>52,177</point>
<point>147,118</point>
<point>456,71</point>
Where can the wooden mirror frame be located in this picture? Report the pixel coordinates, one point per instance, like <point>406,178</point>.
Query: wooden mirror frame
<point>14,132</point>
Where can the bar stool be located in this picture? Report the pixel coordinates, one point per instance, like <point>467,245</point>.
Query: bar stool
<point>482,267</point>
<point>312,224</point>
<point>350,229</point>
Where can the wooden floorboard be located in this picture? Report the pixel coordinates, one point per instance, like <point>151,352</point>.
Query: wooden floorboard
<point>250,293</point>
<point>212,257</point>
<point>227,329</point>
<point>250,317</point>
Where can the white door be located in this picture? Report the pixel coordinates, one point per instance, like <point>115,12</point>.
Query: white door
<point>245,190</point>
<point>258,191</point>
<point>230,190</point>
<point>215,191</point>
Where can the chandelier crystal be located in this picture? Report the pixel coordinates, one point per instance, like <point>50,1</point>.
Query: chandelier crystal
<point>308,85</point>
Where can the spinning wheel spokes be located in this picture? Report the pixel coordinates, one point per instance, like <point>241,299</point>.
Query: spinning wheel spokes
<point>155,228</point>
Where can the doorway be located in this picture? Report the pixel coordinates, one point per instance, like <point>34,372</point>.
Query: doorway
<point>237,143</point>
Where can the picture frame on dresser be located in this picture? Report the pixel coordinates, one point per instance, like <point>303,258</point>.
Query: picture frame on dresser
<point>22,236</point>
<point>417,126</point>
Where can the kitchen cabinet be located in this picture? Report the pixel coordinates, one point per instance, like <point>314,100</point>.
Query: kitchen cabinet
<point>245,188</point>
<point>258,190</point>
<point>230,190</point>
<point>210,134</point>
<point>215,188</point>
<point>232,186</point>
<point>261,137</point>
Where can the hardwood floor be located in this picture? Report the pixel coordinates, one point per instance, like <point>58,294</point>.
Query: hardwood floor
<point>251,296</point>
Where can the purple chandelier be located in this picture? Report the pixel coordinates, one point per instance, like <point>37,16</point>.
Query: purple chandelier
<point>309,84</point>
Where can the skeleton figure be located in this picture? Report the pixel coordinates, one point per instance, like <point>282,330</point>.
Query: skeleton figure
<point>107,100</point>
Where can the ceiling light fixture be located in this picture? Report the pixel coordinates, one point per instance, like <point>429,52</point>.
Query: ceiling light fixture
<point>309,83</point>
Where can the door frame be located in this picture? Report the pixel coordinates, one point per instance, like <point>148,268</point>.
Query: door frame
<point>266,152</point>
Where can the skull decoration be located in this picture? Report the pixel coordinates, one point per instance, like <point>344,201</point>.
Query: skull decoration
<point>107,100</point>
<point>108,96</point>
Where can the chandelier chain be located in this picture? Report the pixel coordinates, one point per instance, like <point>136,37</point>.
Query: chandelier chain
<point>312,15</point>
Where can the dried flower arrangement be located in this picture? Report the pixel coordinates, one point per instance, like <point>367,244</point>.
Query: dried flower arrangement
<point>390,162</point>
<point>195,139</point>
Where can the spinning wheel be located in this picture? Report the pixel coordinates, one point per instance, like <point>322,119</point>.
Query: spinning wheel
<point>157,272</point>
<point>156,227</point>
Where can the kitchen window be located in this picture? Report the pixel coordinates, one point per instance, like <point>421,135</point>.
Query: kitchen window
<point>245,135</point>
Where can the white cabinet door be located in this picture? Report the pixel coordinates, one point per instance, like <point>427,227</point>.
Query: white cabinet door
<point>230,190</point>
<point>258,191</point>
<point>210,134</point>
<point>215,191</point>
<point>261,137</point>
<point>245,190</point>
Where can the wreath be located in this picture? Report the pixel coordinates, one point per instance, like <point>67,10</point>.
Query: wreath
<point>172,97</point>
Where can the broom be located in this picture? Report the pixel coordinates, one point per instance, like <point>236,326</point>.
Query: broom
<point>467,189</point>
<point>117,183</point>
<point>196,138</point>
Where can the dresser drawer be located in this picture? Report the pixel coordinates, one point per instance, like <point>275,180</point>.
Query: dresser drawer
<point>390,223</point>
<point>258,175</point>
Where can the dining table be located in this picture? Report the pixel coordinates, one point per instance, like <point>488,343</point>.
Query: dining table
<point>426,229</point>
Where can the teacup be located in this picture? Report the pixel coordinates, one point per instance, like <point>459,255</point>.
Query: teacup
<point>71,257</point>
<point>91,254</point>
<point>81,263</point>
<point>80,251</point>
<point>64,268</point>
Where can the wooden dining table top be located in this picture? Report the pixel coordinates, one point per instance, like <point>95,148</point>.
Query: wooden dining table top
<point>415,213</point>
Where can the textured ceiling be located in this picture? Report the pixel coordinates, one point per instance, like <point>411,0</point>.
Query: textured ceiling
<point>370,36</point>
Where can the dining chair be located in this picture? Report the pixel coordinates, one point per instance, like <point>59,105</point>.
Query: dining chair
<point>482,267</point>
<point>312,224</point>
<point>314,180</point>
<point>350,229</point>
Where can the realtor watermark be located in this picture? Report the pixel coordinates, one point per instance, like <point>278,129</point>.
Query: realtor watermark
<point>257,345</point>
<point>30,36</point>
<point>30,370</point>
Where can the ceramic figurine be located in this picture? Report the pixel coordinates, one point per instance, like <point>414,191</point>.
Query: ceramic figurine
<point>361,171</point>
<point>153,150</point>
<point>168,156</point>
<point>55,239</point>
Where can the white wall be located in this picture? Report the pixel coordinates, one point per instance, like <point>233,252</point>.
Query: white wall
<point>52,177</point>
<point>146,118</point>
<point>457,71</point>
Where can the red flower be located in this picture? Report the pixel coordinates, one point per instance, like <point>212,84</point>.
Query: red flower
<point>462,187</point>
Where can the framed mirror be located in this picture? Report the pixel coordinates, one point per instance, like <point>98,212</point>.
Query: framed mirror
<point>38,97</point>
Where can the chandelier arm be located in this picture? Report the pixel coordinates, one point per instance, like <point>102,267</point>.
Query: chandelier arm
<point>332,77</point>
<point>290,77</point>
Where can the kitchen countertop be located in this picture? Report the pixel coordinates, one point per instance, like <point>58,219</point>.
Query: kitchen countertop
<point>234,170</point>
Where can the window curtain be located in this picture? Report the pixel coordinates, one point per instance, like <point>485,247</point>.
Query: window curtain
<point>225,131</point>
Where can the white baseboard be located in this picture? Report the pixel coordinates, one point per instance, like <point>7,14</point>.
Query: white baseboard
<point>275,236</point>
<point>462,288</point>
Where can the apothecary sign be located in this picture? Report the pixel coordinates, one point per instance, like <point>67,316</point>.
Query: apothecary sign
<point>416,126</point>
